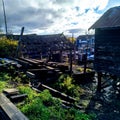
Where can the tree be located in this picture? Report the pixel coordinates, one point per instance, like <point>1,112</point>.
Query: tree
<point>71,39</point>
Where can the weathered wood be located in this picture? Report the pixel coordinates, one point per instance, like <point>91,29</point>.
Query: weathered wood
<point>31,61</point>
<point>50,68</point>
<point>81,78</point>
<point>56,93</point>
<point>64,103</point>
<point>10,109</point>
<point>107,50</point>
<point>62,67</point>
<point>18,97</point>
<point>30,74</point>
<point>99,82</point>
<point>11,91</point>
<point>71,62</point>
<point>44,75</point>
<point>24,64</point>
<point>38,45</point>
<point>18,52</point>
<point>85,63</point>
<point>3,115</point>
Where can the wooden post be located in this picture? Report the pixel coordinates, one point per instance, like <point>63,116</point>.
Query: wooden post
<point>18,52</point>
<point>99,81</point>
<point>85,57</point>
<point>85,63</point>
<point>61,60</point>
<point>70,61</point>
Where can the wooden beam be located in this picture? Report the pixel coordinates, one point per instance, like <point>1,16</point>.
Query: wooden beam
<point>70,61</point>
<point>99,81</point>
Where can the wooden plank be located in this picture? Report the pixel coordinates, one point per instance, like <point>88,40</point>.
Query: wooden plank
<point>30,61</point>
<point>39,61</point>
<point>3,99</point>
<point>56,93</point>
<point>11,91</point>
<point>19,96</point>
<point>18,116</point>
<point>50,68</point>
<point>3,115</point>
<point>10,109</point>
<point>30,74</point>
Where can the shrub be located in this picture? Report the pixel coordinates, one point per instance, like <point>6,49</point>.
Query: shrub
<point>80,69</point>
<point>7,47</point>
<point>36,108</point>
<point>4,78</point>
<point>2,85</point>
<point>66,84</point>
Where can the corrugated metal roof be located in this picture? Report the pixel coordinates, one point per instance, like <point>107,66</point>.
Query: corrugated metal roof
<point>109,19</point>
<point>84,37</point>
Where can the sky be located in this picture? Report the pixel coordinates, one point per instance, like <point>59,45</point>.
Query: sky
<point>53,16</point>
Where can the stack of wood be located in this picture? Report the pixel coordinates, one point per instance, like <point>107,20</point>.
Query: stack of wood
<point>14,95</point>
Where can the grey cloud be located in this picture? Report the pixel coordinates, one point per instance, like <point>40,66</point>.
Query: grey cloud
<point>40,15</point>
<point>30,17</point>
<point>75,30</point>
<point>62,1</point>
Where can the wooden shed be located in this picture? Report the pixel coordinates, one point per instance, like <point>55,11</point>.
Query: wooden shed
<point>37,46</point>
<point>107,42</point>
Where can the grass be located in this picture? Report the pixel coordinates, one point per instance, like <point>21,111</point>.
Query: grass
<point>80,69</point>
<point>42,106</point>
<point>67,85</point>
<point>4,77</point>
<point>2,85</point>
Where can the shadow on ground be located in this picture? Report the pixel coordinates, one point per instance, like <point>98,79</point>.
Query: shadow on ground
<point>105,107</point>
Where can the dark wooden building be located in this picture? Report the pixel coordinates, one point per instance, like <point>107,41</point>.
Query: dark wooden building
<point>107,42</point>
<point>37,46</point>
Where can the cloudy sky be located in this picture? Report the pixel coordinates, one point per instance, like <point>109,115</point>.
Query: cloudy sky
<point>53,16</point>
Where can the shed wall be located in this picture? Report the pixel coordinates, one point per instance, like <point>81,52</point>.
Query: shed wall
<point>107,51</point>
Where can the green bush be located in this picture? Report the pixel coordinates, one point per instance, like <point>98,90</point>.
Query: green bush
<point>31,94</point>
<point>81,69</point>
<point>4,78</point>
<point>2,85</point>
<point>8,47</point>
<point>8,79</point>
<point>66,84</point>
<point>35,107</point>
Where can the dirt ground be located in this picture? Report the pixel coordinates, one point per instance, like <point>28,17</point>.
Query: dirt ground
<point>106,105</point>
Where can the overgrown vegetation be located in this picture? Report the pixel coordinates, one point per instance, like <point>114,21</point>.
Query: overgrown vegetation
<point>39,106</point>
<point>80,69</point>
<point>7,47</point>
<point>8,81</point>
<point>42,106</point>
<point>3,80</point>
<point>9,77</point>
<point>66,84</point>
<point>4,77</point>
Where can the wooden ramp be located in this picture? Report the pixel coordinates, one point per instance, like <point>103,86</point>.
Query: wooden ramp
<point>9,110</point>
